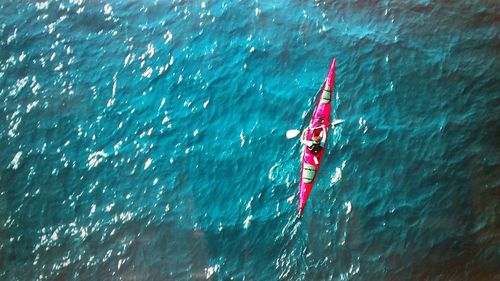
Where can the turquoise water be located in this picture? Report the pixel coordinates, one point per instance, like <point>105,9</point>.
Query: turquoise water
<point>144,140</point>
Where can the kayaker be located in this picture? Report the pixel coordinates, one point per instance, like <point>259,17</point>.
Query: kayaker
<point>317,141</point>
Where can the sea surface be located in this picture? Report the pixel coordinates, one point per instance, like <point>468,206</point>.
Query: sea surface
<point>145,140</point>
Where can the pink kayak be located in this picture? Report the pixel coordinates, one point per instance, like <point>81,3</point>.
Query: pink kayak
<point>321,116</point>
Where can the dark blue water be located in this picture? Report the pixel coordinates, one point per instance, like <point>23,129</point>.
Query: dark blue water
<point>144,140</point>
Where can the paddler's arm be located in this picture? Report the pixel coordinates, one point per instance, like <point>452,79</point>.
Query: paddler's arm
<point>303,138</point>
<point>323,133</point>
<point>318,127</point>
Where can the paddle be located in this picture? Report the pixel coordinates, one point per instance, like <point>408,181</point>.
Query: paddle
<point>290,134</point>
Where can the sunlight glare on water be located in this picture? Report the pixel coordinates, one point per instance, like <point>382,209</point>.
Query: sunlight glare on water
<point>145,140</point>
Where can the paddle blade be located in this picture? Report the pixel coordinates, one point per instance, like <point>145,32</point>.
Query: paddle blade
<point>290,134</point>
<point>337,121</point>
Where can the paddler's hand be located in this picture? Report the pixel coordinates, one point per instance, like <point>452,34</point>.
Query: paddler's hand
<point>318,127</point>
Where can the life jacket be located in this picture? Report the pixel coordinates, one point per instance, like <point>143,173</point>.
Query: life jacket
<point>315,147</point>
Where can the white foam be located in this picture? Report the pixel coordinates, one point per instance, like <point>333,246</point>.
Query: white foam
<point>246,223</point>
<point>42,5</point>
<point>54,236</point>
<point>148,72</point>
<point>96,158</point>
<point>165,120</point>
<point>92,209</point>
<point>271,175</point>
<point>242,138</point>
<point>162,103</point>
<point>109,207</point>
<point>14,164</point>
<point>168,36</point>
<point>349,207</point>
<point>249,204</point>
<point>108,10</point>
<point>337,176</point>
<point>151,50</point>
<point>211,270</point>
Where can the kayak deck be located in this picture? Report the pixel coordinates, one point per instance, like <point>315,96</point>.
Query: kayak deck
<point>321,116</point>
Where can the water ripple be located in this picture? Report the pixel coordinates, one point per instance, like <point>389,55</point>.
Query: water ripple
<point>144,140</point>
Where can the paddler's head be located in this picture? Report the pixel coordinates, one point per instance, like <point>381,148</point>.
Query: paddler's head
<point>316,138</point>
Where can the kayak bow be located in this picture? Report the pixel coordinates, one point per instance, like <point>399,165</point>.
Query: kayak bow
<point>310,165</point>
